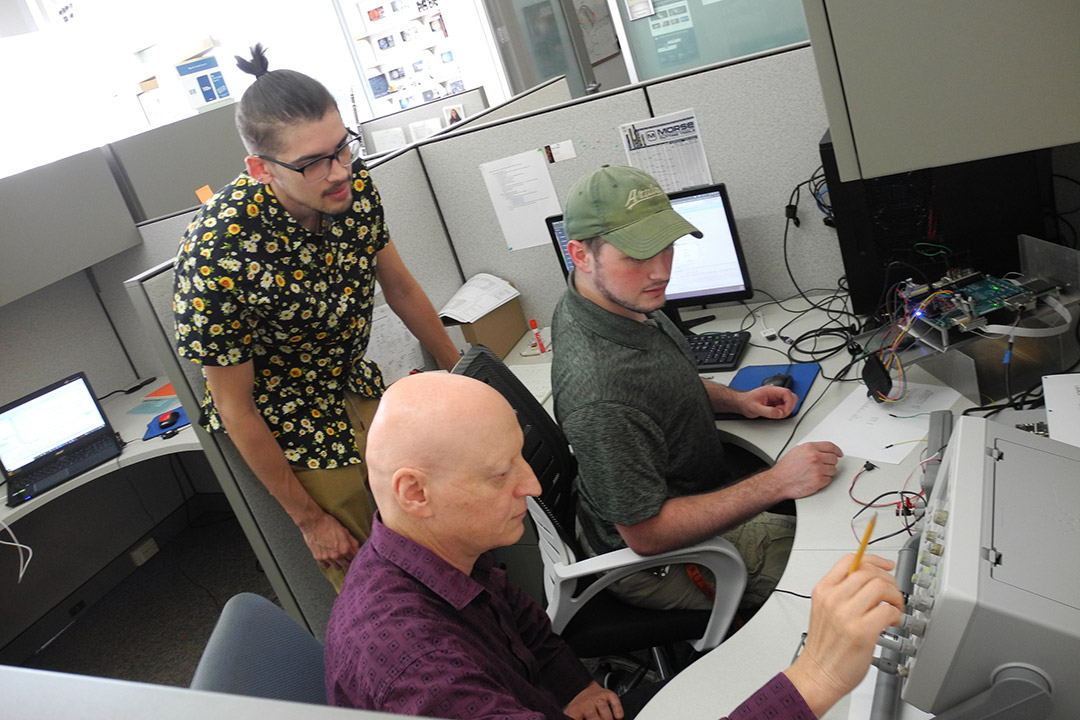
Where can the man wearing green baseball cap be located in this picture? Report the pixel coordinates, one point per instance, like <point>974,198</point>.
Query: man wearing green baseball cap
<point>652,472</point>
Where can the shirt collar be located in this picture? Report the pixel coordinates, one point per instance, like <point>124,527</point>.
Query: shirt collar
<point>430,570</point>
<point>613,328</point>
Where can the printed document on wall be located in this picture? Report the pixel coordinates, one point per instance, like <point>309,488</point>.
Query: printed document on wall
<point>523,197</point>
<point>669,148</point>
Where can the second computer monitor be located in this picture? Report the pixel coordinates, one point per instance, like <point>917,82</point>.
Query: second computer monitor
<point>705,270</point>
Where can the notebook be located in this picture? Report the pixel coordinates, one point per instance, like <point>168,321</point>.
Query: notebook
<point>51,436</point>
<point>750,376</point>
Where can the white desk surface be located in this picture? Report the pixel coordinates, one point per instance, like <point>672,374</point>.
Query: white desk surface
<point>717,683</point>
<point>131,428</point>
<point>39,695</point>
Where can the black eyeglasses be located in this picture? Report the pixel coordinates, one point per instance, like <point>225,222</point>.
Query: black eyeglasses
<point>319,168</point>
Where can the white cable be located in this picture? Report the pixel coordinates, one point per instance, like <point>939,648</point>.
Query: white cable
<point>23,562</point>
<point>1037,332</point>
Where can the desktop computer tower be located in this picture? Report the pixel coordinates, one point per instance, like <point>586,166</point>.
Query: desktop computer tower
<point>922,223</point>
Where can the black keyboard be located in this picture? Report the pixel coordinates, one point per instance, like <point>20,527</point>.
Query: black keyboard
<point>59,470</point>
<point>718,350</point>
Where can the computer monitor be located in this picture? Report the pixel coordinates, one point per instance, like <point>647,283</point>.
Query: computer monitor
<point>705,270</point>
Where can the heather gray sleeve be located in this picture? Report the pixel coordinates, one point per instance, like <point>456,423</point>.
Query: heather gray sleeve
<point>621,457</point>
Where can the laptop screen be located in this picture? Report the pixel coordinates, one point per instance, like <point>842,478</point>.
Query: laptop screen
<point>46,421</point>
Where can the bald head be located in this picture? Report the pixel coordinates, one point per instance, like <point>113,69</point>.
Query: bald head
<point>445,466</point>
<point>429,421</point>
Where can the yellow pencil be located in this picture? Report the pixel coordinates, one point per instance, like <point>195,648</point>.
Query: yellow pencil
<point>862,545</point>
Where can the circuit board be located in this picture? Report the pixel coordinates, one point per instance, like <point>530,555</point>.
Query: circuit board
<point>964,306</point>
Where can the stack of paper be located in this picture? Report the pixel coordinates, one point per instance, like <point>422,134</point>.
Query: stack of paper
<point>476,298</point>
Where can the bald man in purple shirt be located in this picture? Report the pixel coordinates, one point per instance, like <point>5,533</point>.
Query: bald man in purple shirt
<point>426,625</point>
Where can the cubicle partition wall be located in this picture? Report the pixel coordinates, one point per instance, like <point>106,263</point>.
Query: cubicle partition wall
<point>300,587</point>
<point>414,219</point>
<point>472,102</point>
<point>552,92</point>
<point>761,121</point>
<point>162,168</point>
<point>760,118</point>
<point>453,166</point>
<point>58,219</point>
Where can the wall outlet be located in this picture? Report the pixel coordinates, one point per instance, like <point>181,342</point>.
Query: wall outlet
<point>144,551</point>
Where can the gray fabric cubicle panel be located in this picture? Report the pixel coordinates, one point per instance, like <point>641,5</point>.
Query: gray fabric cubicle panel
<point>761,121</point>
<point>302,590</point>
<point>472,103</point>
<point>58,219</point>
<point>160,240</point>
<point>55,332</point>
<point>412,217</point>
<point>453,162</point>
<point>552,92</point>
<point>166,165</point>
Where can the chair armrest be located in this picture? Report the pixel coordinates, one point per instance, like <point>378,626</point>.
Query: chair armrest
<point>716,554</point>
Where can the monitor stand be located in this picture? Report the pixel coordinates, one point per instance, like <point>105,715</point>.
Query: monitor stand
<point>685,325</point>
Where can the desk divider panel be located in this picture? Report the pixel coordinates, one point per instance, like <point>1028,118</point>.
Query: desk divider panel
<point>55,332</point>
<point>163,167</point>
<point>761,121</point>
<point>58,219</point>
<point>545,95</point>
<point>416,225</point>
<point>161,238</point>
<point>452,164</point>
<point>473,102</point>
<point>301,589</point>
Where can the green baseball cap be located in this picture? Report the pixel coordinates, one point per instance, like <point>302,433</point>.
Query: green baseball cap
<point>627,208</point>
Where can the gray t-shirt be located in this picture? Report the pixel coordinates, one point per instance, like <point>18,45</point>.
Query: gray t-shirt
<point>628,397</point>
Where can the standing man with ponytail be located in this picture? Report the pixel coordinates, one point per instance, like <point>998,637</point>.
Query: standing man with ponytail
<point>274,292</point>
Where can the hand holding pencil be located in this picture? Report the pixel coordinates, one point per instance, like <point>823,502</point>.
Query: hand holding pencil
<point>850,606</point>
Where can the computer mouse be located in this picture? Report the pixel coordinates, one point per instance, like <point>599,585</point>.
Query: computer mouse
<point>779,379</point>
<point>167,420</point>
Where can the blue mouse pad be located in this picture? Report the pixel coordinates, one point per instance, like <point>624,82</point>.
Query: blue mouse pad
<point>153,428</point>
<point>750,377</point>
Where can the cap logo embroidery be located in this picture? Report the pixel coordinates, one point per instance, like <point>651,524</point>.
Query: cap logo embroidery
<point>636,196</point>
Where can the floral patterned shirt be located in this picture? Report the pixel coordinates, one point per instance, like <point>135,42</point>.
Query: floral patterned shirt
<point>253,284</point>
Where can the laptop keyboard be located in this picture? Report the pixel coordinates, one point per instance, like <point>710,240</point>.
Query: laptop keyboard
<point>718,350</point>
<point>34,481</point>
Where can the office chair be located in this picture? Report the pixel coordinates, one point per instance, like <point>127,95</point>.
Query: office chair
<point>593,621</point>
<point>257,649</point>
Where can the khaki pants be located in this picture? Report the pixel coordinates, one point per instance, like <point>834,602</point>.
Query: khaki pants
<point>343,492</point>
<point>764,542</point>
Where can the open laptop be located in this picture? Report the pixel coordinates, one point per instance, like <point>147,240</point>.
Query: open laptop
<point>51,436</point>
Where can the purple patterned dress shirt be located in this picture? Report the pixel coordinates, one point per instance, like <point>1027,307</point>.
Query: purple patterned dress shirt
<point>411,634</point>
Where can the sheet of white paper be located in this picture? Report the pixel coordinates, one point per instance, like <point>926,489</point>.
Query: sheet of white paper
<point>862,698</point>
<point>388,139</point>
<point>863,427</point>
<point>392,346</point>
<point>477,297</point>
<point>669,148</point>
<point>421,129</point>
<point>523,196</point>
<point>638,9</point>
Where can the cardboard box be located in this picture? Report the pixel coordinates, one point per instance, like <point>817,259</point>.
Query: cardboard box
<point>499,330</point>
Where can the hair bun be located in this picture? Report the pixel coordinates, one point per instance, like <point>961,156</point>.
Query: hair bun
<point>258,65</point>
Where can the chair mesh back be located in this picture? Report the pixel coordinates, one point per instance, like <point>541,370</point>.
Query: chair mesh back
<point>545,448</point>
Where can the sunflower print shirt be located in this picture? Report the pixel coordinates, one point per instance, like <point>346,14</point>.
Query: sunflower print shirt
<point>253,284</point>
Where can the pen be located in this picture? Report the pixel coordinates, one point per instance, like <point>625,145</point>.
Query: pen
<point>862,544</point>
<point>536,334</point>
